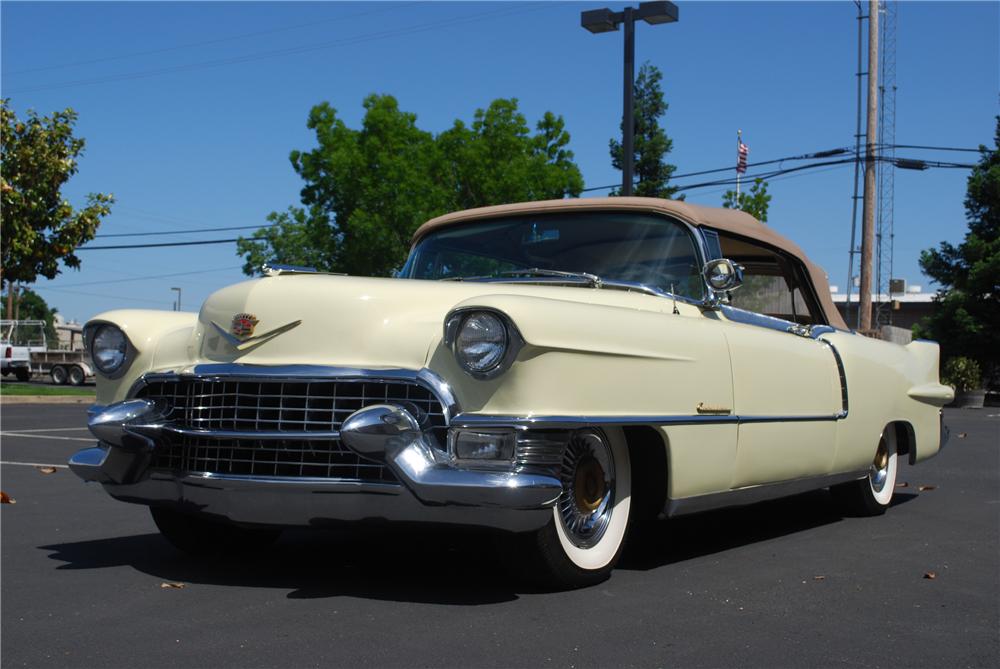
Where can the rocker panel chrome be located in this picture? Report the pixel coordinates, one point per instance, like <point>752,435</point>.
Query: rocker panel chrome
<point>758,493</point>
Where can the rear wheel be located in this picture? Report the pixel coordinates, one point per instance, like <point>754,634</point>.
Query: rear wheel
<point>22,373</point>
<point>76,375</point>
<point>583,541</point>
<point>871,495</point>
<point>197,536</point>
<point>59,375</point>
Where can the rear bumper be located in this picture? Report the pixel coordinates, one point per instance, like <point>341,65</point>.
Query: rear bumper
<point>432,488</point>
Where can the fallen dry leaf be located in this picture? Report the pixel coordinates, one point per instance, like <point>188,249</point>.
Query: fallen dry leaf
<point>963,435</point>
<point>169,585</point>
<point>927,487</point>
<point>46,470</point>
<point>6,499</point>
<point>930,575</point>
<point>819,578</point>
<point>903,484</point>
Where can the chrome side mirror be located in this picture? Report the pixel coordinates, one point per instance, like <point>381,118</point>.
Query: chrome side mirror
<point>723,275</point>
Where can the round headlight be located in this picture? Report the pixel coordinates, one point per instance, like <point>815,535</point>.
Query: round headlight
<point>108,349</point>
<point>481,342</point>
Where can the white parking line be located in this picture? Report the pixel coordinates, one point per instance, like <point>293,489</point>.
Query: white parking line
<point>33,464</point>
<point>53,429</point>
<point>42,436</point>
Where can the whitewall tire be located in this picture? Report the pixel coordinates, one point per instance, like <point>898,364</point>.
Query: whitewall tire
<point>872,495</point>
<point>583,541</point>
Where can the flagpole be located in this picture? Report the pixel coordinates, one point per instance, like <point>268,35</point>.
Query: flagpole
<point>739,141</point>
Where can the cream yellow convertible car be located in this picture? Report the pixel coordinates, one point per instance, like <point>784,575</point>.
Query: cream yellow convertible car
<point>555,370</point>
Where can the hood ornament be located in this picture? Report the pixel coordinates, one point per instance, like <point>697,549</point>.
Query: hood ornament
<point>240,333</point>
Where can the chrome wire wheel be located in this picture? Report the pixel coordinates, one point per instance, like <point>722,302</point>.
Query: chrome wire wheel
<point>588,481</point>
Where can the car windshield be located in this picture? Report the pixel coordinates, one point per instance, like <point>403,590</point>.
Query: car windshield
<point>616,246</point>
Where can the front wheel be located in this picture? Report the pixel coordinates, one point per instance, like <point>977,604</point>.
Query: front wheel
<point>197,536</point>
<point>583,541</point>
<point>871,495</point>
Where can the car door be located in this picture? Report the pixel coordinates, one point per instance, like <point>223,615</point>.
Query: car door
<point>786,392</point>
<point>786,383</point>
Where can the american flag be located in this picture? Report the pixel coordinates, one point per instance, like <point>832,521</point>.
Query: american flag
<point>741,157</point>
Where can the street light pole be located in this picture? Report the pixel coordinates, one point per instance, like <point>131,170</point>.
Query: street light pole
<point>628,104</point>
<point>177,304</point>
<point>604,20</point>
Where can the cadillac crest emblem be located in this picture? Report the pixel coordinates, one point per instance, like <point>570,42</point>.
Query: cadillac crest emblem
<point>243,325</point>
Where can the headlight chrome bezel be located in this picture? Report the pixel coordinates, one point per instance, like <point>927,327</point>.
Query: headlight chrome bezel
<point>457,319</point>
<point>90,334</point>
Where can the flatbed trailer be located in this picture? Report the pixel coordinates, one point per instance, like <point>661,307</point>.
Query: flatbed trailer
<point>63,367</point>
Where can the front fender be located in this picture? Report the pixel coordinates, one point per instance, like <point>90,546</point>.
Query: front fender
<point>159,340</point>
<point>635,357</point>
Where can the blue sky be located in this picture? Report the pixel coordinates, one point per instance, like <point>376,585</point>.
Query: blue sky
<point>190,109</point>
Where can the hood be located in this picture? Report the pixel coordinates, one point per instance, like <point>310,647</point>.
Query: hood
<point>357,322</point>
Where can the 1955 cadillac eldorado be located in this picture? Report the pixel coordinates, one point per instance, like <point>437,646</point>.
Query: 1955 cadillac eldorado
<point>555,370</point>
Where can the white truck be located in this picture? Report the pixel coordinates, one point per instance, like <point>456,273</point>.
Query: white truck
<point>25,352</point>
<point>18,340</point>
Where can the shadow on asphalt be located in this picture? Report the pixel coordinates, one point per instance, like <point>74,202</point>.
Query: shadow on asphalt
<point>435,565</point>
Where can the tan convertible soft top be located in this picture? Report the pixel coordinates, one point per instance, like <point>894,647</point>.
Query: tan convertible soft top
<point>732,221</point>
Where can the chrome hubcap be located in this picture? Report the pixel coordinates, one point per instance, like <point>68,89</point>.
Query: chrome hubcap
<point>880,466</point>
<point>587,475</point>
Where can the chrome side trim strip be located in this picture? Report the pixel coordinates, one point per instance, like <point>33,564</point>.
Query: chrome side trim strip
<point>745,317</point>
<point>526,422</point>
<point>298,373</point>
<point>758,493</point>
<point>844,396</point>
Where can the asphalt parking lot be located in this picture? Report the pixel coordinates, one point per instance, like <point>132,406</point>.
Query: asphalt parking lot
<point>789,583</point>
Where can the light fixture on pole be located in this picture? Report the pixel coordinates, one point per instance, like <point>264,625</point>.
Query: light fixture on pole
<point>605,20</point>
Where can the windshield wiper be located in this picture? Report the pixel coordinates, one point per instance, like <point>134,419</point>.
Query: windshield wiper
<point>592,279</point>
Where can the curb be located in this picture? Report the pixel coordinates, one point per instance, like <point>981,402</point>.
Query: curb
<point>47,399</point>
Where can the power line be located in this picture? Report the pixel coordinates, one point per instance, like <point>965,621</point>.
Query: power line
<point>933,148</point>
<point>905,163</point>
<point>283,52</point>
<point>110,297</point>
<point>161,244</point>
<point>189,230</point>
<point>146,278</point>
<point>191,45</point>
<point>900,163</point>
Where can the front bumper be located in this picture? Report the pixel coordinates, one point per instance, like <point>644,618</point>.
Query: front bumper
<point>433,489</point>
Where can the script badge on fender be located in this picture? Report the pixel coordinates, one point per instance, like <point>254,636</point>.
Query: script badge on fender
<point>243,325</point>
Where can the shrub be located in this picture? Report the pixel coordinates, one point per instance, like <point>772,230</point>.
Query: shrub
<point>962,374</point>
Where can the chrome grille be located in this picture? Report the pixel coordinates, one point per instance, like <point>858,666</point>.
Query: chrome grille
<point>270,458</point>
<point>290,413</point>
<point>281,406</point>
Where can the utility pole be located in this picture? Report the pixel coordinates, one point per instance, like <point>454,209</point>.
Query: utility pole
<point>868,215</point>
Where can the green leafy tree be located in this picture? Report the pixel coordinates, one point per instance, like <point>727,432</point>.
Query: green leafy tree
<point>32,307</point>
<point>40,228</point>
<point>754,201</point>
<point>966,316</point>
<point>650,144</point>
<point>366,191</point>
<point>497,160</point>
